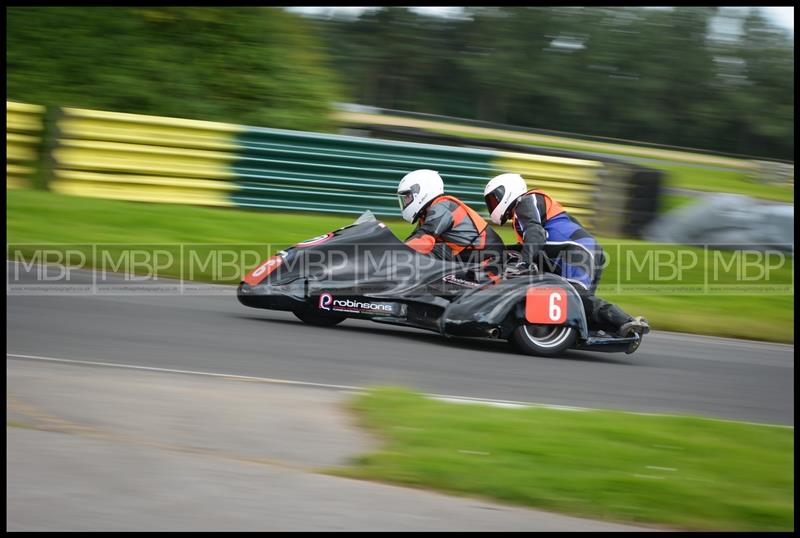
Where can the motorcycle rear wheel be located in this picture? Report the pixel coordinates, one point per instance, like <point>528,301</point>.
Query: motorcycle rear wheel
<point>543,340</point>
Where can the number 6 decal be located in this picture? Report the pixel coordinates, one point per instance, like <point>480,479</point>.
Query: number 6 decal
<point>546,306</point>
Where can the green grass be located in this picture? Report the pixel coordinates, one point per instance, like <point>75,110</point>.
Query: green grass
<point>706,292</point>
<point>674,201</point>
<point>755,318</point>
<point>44,217</point>
<point>731,181</point>
<point>50,217</point>
<point>680,472</point>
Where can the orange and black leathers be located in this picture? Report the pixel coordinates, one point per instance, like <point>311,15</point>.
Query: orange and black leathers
<point>449,229</point>
<point>555,241</point>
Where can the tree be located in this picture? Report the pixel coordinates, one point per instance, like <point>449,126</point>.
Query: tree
<point>656,75</point>
<point>261,66</point>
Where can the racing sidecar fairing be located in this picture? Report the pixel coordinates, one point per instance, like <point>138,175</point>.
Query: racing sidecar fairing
<point>364,271</point>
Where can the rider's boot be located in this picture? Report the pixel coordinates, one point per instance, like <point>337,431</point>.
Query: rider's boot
<point>607,315</point>
<point>638,326</point>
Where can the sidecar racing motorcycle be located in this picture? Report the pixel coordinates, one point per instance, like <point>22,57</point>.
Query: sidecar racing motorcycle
<point>364,271</point>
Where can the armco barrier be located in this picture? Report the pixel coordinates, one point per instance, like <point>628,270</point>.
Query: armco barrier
<point>24,127</point>
<point>149,158</point>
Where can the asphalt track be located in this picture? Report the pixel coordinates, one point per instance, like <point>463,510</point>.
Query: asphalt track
<point>211,332</point>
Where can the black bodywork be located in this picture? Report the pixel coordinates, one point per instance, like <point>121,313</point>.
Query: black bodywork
<point>364,271</point>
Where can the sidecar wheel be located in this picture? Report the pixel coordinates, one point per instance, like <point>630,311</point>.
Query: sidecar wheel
<point>318,320</point>
<point>543,340</point>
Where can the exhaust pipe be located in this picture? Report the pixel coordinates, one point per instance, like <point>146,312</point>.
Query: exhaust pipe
<point>494,333</point>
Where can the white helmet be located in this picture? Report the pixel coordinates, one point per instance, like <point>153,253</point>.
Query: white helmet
<point>500,193</point>
<point>416,190</point>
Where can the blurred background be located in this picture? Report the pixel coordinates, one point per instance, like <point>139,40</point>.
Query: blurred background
<point>665,130</point>
<point>709,78</point>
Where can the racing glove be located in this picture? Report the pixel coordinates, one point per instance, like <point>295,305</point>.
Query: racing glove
<point>519,268</point>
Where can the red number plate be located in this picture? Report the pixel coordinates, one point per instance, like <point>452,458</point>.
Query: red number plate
<point>546,306</point>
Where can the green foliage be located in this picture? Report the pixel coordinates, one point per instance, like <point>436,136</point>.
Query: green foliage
<point>684,472</point>
<point>658,75</point>
<point>254,65</point>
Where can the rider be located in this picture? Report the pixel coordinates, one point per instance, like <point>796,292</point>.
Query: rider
<point>551,236</point>
<point>446,227</point>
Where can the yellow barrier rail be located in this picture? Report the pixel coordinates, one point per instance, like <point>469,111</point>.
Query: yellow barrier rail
<point>143,158</point>
<point>24,126</point>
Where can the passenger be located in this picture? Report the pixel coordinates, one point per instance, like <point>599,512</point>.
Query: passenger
<point>549,236</point>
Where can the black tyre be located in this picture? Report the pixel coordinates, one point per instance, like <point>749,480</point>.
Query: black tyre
<point>543,340</point>
<point>319,320</point>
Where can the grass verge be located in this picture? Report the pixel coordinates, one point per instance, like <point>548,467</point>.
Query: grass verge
<point>44,217</point>
<point>674,201</point>
<point>681,472</point>
<point>730,181</point>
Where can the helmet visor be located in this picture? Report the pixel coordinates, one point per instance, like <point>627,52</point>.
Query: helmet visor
<point>494,197</point>
<point>405,198</point>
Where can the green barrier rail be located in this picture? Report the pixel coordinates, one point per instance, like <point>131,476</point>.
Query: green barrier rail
<point>24,127</point>
<point>319,172</point>
<point>158,159</point>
